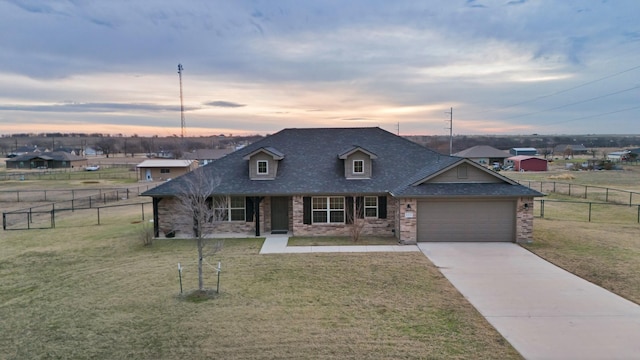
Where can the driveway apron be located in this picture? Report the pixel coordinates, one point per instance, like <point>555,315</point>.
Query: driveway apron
<point>544,311</point>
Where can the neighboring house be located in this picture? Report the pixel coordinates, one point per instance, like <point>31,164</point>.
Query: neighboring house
<point>313,182</point>
<point>46,160</point>
<point>205,156</point>
<point>523,151</point>
<point>160,170</point>
<point>28,149</point>
<point>618,156</point>
<point>484,155</point>
<point>569,150</point>
<point>89,151</point>
<point>527,163</point>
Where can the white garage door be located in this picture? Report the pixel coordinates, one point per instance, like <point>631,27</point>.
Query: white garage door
<point>466,220</point>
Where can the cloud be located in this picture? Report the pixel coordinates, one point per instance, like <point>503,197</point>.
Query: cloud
<point>224,104</point>
<point>71,107</point>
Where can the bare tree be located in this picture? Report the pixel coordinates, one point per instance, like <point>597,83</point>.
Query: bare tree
<point>106,145</point>
<point>354,216</point>
<point>198,210</point>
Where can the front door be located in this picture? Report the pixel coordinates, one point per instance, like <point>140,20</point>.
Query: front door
<point>149,175</point>
<point>279,215</point>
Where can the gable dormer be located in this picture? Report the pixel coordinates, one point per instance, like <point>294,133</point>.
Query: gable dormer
<point>357,163</point>
<point>263,163</point>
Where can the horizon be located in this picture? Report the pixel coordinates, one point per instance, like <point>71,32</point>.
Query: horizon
<point>515,67</point>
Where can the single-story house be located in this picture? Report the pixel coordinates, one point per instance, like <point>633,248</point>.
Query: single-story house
<point>527,163</point>
<point>569,150</point>
<point>484,155</point>
<point>160,169</point>
<point>309,182</point>
<point>618,156</point>
<point>27,149</point>
<point>523,151</point>
<point>205,156</point>
<point>46,160</point>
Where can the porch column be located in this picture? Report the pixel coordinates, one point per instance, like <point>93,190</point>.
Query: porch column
<point>256,211</point>
<point>156,223</point>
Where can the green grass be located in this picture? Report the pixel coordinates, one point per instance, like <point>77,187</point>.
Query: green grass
<point>96,292</point>
<point>340,240</point>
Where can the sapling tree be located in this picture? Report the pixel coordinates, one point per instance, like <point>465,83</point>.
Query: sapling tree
<point>355,216</point>
<point>198,210</point>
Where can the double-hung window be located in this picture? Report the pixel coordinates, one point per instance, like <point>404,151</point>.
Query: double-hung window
<point>358,166</point>
<point>371,206</point>
<point>328,209</point>
<point>263,167</point>
<point>229,208</point>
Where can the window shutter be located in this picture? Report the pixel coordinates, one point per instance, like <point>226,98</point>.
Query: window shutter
<point>248,209</point>
<point>306,206</point>
<point>360,206</point>
<point>348,209</point>
<point>382,207</point>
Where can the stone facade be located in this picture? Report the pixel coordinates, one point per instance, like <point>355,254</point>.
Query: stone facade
<point>524,220</point>
<point>407,213</point>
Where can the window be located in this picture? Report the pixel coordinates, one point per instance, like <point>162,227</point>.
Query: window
<point>263,167</point>
<point>165,171</point>
<point>371,206</point>
<point>358,166</point>
<point>328,209</point>
<point>229,208</point>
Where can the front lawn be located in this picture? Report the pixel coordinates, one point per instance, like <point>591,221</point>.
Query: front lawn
<point>94,292</point>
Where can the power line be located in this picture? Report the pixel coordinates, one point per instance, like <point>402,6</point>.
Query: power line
<point>592,116</point>
<point>563,91</point>
<point>574,103</point>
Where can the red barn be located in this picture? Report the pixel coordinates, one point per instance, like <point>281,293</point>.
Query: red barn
<point>527,163</point>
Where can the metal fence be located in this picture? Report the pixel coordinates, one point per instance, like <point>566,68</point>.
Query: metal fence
<point>589,192</point>
<point>587,211</point>
<point>61,195</point>
<point>44,216</point>
<point>46,219</point>
<point>127,172</point>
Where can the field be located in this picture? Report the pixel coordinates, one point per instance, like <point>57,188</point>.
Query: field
<point>85,291</point>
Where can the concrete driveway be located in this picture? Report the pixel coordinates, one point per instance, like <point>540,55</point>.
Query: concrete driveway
<point>542,310</point>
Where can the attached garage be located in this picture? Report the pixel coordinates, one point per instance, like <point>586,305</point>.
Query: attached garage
<point>466,220</point>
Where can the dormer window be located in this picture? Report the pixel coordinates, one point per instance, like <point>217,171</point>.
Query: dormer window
<point>358,163</point>
<point>263,167</point>
<point>358,166</point>
<point>263,163</point>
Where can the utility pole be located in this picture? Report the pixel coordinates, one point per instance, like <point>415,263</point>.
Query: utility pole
<point>451,132</point>
<point>182,122</point>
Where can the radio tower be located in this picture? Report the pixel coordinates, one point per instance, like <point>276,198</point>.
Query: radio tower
<point>182,124</point>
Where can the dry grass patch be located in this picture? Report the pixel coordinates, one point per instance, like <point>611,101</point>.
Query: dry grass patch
<point>97,292</point>
<point>606,255</point>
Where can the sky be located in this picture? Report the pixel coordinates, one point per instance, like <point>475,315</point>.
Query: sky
<point>256,67</point>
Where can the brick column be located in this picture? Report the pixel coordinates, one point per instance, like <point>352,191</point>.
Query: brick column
<point>524,220</point>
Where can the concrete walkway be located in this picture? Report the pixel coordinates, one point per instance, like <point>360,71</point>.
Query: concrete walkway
<point>542,310</point>
<point>277,244</point>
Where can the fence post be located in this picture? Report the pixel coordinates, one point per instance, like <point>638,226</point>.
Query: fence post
<point>630,197</point>
<point>585,191</point>
<point>569,189</point>
<point>45,195</point>
<point>606,195</point>
<point>18,193</point>
<point>554,186</point>
<point>638,214</point>
<point>98,215</point>
<point>53,219</point>
<point>589,211</point>
<point>72,208</point>
<point>4,219</point>
<point>142,211</point>
<point>127,193</point>
<point>542,207</point>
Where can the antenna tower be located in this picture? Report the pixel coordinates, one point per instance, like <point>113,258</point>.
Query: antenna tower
<point>182,123</point>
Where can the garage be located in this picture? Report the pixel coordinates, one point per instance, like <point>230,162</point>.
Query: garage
<point>466,220</point>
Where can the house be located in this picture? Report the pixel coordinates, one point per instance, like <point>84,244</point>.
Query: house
<point>523,151</point>
<point>569,150</point>
<point>527,163</point>
<point>315,181</point>
<point>160,169</point>
<point>28,149</point>
<point>618,156</point>
<point>46,160</point>
<point>484,155</point>
<point>205,156</point>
